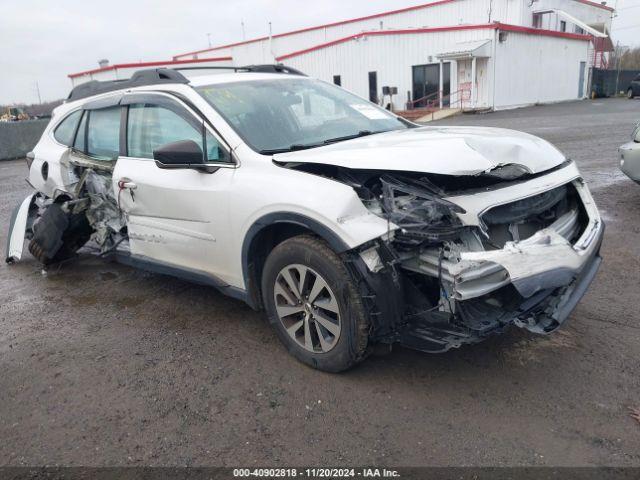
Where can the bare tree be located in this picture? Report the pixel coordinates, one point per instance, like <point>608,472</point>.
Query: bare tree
<point>625,58</point>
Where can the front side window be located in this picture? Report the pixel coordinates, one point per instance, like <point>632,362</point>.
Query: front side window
<point>103,136</point>
<point>288,114</point>
<point>152,126</point>
<point>67,128</point>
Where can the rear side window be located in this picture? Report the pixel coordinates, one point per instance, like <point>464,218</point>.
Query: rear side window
<point>67,128</point>
<point>151,126</point>
<point>103,136</point>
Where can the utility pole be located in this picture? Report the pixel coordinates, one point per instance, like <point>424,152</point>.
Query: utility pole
<point>38,91</point>
<point>209,39</point>
<point>618,55</point>
<point>244,37</point>
<point>271,42</point>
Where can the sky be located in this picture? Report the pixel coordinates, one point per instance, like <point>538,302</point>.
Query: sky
<point>41,41</point>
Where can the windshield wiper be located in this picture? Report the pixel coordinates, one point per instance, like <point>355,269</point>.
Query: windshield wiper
<point>291,148</point>
<point>297,146</point>
<point>361,133</point>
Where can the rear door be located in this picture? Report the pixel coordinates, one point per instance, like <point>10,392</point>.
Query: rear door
<point>177,218</point>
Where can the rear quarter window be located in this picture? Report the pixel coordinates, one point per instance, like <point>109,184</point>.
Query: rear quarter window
<point>103,135</point>
<point>65,131</point>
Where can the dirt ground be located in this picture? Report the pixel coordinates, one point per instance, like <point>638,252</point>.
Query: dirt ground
<point>101,364</point>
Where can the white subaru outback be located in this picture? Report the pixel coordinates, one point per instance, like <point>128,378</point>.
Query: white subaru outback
<point>348,225</point>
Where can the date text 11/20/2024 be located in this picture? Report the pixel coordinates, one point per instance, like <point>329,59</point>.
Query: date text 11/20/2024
<point>315,473</point>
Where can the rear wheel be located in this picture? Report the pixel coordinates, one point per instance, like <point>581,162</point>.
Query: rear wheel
<point>630,94</point>
<point>313,304</point>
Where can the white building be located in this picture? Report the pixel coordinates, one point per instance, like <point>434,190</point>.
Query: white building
<point>123,71</point>
<point>473,54</point>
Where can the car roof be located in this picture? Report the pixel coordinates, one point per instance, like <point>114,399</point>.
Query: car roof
<point>164,76</point>
<point>221,78</point>
<point>196,78</point>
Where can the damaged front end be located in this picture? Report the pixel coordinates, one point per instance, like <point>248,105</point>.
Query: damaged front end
<point>85,212</point>
<point>468,256</point>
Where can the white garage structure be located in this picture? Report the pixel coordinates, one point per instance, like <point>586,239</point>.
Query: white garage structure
<point>512,66</point>
<point>472,54</point>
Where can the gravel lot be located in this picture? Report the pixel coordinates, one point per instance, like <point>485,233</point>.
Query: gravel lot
<point>101,364</point>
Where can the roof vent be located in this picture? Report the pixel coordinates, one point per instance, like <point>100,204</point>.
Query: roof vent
<point>103,63</point>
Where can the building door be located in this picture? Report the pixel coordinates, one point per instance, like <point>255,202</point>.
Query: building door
<point>446,84</point>
<point>426,83</point>
<point>583,67</point>
<point>373,87</point>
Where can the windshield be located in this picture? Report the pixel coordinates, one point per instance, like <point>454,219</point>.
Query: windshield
<point>288,114</point>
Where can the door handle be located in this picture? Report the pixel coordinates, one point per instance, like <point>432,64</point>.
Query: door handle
<point>126,183</point>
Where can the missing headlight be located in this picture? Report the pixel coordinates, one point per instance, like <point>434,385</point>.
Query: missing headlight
<point>419,212</point>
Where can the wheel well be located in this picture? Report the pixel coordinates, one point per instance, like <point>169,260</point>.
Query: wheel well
<point>261,245</point>
<point>268,232</point>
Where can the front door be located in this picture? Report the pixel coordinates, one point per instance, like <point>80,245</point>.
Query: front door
<point>175,217</point>
<point>426,83</point>
<point>373,87</point>
<point>583,67</point>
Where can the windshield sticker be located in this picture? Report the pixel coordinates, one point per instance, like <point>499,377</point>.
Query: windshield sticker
<point>370,112</point>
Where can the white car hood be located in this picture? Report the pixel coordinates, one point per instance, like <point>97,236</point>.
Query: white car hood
<point>440,150</point>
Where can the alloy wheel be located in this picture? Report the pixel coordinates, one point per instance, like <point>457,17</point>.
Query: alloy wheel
<point>307,308</point>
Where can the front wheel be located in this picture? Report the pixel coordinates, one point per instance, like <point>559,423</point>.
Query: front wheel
<point>313,304</point>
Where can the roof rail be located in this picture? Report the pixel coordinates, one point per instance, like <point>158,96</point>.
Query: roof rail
<point>274,68</point>
<point>154,76</point>
<point>267,68</point>
<point>157,76</point>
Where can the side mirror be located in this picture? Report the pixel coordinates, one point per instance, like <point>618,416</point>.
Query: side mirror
<point>180,154</point>
<point>185,154</point>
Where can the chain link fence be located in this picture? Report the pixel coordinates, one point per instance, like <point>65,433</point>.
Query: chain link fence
<point>608,83</point>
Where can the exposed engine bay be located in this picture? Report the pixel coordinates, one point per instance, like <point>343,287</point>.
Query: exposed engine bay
<point>456,282</point>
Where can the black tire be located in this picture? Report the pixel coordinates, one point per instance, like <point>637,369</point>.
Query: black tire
<point>58,235</point>
<point>351,344</point>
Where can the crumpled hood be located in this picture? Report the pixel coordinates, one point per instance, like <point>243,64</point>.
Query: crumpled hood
<point>440,150</point>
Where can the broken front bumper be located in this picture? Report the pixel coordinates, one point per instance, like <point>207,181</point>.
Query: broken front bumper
<point>534,283</point>
<point>545,260</point>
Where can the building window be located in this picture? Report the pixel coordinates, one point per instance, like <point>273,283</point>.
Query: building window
<point>579,31</point>
<point>563,26</point>
<point>337,80</point>
<point>373,87</point>
<point>537,20</point>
